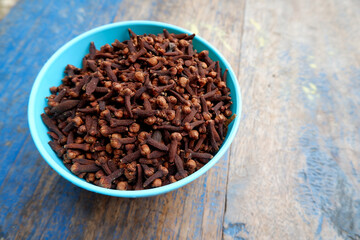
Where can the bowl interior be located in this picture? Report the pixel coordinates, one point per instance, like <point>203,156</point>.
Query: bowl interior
<point>72,53</point>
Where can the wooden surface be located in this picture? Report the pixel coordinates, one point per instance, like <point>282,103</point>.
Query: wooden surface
<point>291,173</point>
<point>5,6</point>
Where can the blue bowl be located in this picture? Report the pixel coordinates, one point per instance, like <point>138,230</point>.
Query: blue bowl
<point>72,53</point>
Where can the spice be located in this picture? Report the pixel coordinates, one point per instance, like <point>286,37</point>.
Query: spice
<point>141,113</point>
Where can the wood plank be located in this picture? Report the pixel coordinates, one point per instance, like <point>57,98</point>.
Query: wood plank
<point>29,34</point>
<point>201,207</point>
<point>295,172</point>
<point>37,203</point>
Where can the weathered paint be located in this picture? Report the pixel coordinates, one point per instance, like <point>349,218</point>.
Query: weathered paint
<point>37,203</point>
<point>293,170</point>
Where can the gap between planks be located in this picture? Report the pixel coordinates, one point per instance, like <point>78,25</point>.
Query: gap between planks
<point>237,73</point>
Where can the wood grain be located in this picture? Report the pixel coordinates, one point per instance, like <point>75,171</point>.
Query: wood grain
<point>32,199</point>
<point>294,173</point>
<point>42,204</point>
<point>291,173</point>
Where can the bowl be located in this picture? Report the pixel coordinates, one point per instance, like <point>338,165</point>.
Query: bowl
<point>72,53</point>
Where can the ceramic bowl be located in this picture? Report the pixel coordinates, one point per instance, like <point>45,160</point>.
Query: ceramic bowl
<point>72,53</point>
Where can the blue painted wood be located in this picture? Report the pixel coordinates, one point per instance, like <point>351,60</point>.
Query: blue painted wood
<point>31,32</point>
<point>36,203</point>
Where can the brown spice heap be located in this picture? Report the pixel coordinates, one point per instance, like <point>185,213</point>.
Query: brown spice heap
<point>139,114</point>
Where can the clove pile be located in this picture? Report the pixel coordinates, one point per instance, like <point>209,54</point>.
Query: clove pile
<point>141,113</point>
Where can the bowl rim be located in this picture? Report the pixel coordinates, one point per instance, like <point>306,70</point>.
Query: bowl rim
<point>134,193</point>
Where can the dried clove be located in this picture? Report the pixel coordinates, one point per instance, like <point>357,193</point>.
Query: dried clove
<point>105,181</point>
<point>141,113</point>
<point>78,168</point>
<point>162,172</point>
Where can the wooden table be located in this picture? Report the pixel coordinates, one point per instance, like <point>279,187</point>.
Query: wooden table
<point>293,171</point>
